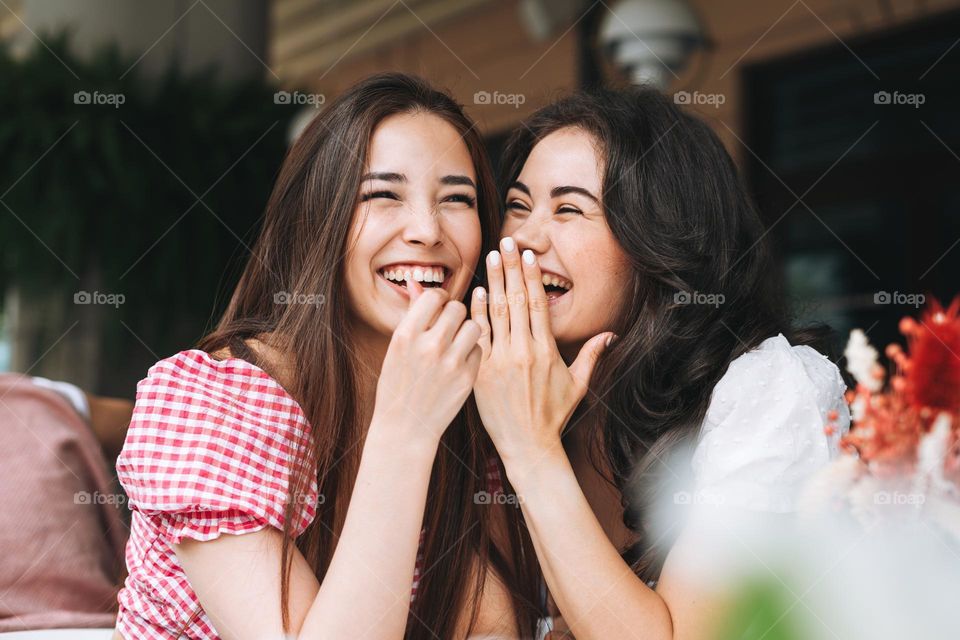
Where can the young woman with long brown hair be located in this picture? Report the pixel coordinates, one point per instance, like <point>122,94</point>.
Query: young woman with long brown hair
<point>298,472</point>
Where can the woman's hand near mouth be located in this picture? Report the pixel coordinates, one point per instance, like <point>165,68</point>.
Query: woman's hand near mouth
<point>430,367</point>
<point>525,391</point>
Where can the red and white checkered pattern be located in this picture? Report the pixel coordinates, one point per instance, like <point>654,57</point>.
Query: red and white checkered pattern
<point>209,451</point>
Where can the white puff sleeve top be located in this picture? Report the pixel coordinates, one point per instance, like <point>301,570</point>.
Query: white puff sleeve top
<point>763,435</point>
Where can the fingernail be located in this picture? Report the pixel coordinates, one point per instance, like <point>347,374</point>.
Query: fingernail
<point>611,338</point>
<point>495,258</point>
<point>528,256</point>
<point>508,244</point>
<point>481,294</point>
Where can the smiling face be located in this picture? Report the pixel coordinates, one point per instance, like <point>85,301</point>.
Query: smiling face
<point>417,218</point>
<point>555,209</point>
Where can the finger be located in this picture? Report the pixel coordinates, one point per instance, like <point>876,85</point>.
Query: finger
<point>445,328</point>
<point>497,301</point>
<point>582,368</point>
<point>415,289</point>
<point>424,312</point>
<point>478,312</point>
<point>538,303</point>
<point>516,291</point>
<point>466,339</point>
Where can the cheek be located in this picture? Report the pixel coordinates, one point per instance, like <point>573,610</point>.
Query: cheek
<point>509,226</point>
<point>464,233</point>
<point>602,265</point>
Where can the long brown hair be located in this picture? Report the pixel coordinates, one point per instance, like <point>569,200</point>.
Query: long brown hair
<point>300,251</point>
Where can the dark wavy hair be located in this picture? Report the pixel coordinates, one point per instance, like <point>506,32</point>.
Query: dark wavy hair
<point>676,205</point>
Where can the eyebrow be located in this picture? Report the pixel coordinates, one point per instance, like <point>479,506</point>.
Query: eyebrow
<point>399,177</point>
<point>557,191</point>
<point>389,177</point>
<point>464,180</point>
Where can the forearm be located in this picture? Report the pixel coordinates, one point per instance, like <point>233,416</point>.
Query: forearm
<point>595,590</point>
<point>366,591</point>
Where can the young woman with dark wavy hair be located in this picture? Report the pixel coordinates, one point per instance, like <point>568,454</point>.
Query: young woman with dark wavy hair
<point>629,238</point>
<point>310,463</point>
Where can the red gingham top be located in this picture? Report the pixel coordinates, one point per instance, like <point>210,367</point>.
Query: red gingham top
<point>208,451</point>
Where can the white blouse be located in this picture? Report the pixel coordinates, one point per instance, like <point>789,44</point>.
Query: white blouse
<point>763,435</point>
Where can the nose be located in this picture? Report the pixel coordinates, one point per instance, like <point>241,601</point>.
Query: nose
<point>532,235</point>
<point>423,228</point>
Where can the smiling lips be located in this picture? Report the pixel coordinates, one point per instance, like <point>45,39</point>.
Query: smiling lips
<point>555,285</point>
<point>428,275</point>
<point>431,276</point>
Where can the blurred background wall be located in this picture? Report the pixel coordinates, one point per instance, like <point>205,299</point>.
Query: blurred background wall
<point>842,115</point>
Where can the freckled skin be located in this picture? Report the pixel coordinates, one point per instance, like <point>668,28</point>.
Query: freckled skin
<point>570,235</point>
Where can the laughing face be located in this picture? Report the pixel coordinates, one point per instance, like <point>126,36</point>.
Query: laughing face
<point>417,219</point>
<point>555,209</point>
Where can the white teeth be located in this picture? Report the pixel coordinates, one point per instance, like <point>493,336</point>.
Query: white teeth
<point>420,274</point>
<point>549,279</point>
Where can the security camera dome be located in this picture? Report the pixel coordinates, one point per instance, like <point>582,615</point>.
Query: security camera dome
<point>650,39</point>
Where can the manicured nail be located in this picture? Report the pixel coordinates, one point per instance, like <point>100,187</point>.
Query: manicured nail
<point>481,294</point>
<point>494,258</point>
<point>508,244</point>
<point>528,256</point>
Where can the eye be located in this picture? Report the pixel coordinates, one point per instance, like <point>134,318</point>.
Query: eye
<point>569,209</point>
<point>462,198</point>
<point>390,195</point>
<point>518,206</point>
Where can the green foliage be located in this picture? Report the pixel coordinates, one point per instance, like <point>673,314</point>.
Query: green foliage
<point>764,610</point>
<point>113,190</point>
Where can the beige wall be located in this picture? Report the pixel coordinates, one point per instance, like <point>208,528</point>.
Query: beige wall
<point>495,52</point>
<point>463,45</point>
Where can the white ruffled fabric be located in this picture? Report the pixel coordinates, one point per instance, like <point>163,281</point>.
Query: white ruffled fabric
<point>763,436</point>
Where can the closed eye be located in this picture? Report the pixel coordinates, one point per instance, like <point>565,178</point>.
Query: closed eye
<point>463,198</point>
<point>379,194</point>
<point>568,209</point>
<point>516,205</point>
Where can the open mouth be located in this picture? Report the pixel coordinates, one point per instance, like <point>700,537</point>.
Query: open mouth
<point>555,286</point>
<point>429,276</point>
